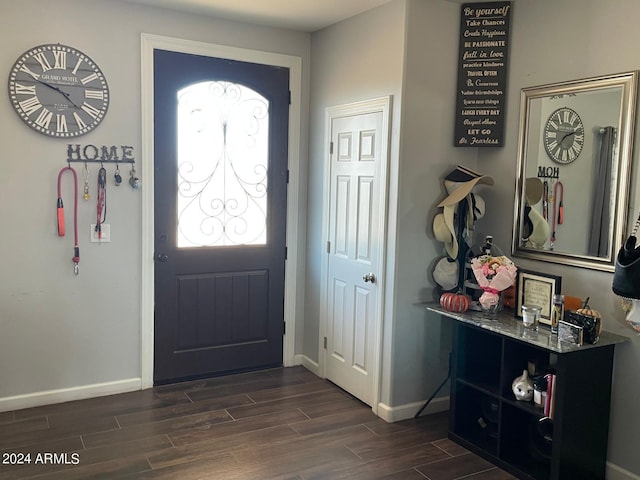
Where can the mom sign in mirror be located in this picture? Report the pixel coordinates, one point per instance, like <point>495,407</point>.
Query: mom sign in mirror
<point>572,187</point>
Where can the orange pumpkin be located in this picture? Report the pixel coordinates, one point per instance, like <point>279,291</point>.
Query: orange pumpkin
<point>590,312</point>
<point>454,302</point>
<point>585,309</point>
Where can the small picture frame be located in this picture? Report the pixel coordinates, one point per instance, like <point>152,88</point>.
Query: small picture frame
<point>535,288</point>
<point>570,333</point>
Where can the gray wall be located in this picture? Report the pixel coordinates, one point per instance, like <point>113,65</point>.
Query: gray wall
<point>357,59</point>
<point>420,342</point>
<point>58,331</point>
<point>564,40</point>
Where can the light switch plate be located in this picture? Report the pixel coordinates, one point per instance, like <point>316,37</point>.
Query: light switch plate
<point>106,233</point>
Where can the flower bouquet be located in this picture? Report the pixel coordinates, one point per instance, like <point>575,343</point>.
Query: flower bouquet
<point>494,274</point>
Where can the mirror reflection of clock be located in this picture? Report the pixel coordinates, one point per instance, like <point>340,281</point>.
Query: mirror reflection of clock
<point>563,135</point>
<point>58,91</point>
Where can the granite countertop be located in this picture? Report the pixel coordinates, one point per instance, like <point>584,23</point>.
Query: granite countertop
<point>504,323</point>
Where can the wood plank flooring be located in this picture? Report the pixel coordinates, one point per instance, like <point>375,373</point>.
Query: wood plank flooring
<point>283,423</point>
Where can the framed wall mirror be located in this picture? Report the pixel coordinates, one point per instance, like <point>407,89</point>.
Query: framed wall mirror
<point>574,165</point>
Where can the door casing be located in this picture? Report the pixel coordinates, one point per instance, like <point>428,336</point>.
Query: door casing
<point>293,288</point>
<point>381,104</point>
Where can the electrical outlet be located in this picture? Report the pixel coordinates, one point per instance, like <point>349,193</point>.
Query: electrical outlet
<point>106,233</point>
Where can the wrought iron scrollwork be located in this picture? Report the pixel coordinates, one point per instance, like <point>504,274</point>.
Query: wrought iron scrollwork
<point>222,165</point>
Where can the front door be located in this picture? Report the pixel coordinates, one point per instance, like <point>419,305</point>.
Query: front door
<point>356,241</point>
<point>220,174</point>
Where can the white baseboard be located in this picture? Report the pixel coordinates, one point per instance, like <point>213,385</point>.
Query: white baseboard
<point>615,472</point>
<point>48,397</point>
<point>387,413</point>
<point>307,363</point>
<point>408,410</point>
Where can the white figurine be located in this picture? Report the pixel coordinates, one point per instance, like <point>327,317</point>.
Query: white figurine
<point>522,387</point>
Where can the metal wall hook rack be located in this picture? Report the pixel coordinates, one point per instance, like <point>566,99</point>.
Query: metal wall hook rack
<point>128,160</point>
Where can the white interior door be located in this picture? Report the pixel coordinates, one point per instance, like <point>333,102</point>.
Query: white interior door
<point>355,252</point>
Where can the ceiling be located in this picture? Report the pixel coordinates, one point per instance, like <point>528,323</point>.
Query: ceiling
<point>303,15</point>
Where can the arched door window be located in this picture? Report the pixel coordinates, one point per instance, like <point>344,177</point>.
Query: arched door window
<point>223,146</point>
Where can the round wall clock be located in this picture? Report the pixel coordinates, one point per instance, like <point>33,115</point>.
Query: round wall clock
<point>563,135</point>
<point>58,91</point>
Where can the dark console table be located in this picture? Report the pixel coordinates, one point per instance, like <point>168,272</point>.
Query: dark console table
<point>487,354</point>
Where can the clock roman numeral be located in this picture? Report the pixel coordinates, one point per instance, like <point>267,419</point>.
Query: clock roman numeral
<point>42,60</point>
<point>25,89</point>
<point>79,121</point>
<point>89,78</point>
<point>30,105</point>
<point>573,152</point>
<point>75,69</point>
<point>91,110</point>
<point>60,59</point>
<point>25,69</point>
<point>61,123</point>
<point>44,118</point>
<point>573,119</point>
<point>98,94</point>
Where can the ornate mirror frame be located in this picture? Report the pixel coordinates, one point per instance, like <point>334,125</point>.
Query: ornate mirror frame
<point>537,107</point>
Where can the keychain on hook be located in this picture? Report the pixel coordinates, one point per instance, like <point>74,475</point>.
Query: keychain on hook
<point>85,173</point>
<point>134,181</point>
<point>117,177</point>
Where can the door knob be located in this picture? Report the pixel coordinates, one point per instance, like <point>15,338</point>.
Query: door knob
<point>161,257</point>
<point>369,277</point>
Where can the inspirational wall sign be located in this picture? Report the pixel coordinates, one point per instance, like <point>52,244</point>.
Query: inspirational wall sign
<point>482,74</point>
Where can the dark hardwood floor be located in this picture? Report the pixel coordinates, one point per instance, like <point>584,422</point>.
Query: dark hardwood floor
<point>284,423</point>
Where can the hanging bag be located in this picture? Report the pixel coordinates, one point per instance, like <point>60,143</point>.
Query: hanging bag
<point>626,277</point>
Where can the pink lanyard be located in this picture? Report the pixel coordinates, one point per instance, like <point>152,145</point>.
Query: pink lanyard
<point>558,209</point>
<point>61,229</point>
<point>545,200</point>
